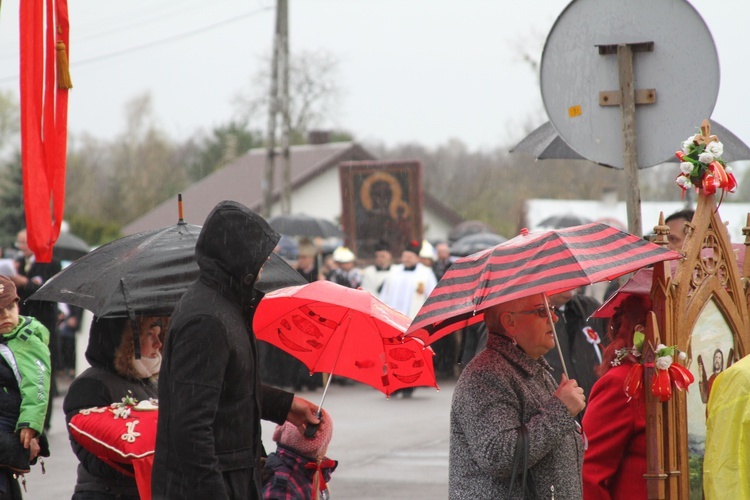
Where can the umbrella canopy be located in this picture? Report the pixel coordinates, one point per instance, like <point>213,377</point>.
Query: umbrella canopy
<point>544,143</point>
<point>474,243</point>
<point>564,220</point>
<point>144,273</point>
<point>468,227</point>
<point>69,247</point>
<point>345,331</point>
<point>640,283</point>
<point>305,225</point>
<point>546,262</point>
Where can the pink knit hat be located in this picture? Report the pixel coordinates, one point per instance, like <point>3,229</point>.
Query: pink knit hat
<point>288,435</point>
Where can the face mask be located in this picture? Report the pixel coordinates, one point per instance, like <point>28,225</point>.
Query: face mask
<point>147,367</point>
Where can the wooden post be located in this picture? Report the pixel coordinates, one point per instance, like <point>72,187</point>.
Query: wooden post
<point>630,150</point>
<point>655,476</point>
<point>286,164</point>
<point>273,109</point>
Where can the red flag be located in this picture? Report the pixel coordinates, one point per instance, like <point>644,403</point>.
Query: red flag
<point>44,117</point>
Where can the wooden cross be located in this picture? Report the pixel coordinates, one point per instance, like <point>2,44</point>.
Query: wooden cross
<point>705,136</point>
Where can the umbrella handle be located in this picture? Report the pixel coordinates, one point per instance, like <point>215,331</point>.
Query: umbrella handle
<point>311,429</point>
<point>554,332</point>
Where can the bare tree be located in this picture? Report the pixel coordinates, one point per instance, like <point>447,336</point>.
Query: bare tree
<point>314,93</point>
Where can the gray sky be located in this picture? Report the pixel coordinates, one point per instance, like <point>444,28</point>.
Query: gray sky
<point>411,70</point>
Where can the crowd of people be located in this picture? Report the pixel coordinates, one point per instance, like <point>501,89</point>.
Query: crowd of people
<point>533,414</point>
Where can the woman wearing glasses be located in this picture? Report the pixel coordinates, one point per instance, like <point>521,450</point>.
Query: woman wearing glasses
<point>513,428</point>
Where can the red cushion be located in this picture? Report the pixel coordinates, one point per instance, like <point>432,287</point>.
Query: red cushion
<point>129,440</point>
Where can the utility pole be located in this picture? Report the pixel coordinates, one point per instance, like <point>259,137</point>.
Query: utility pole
<point>278,104</point>
<point>286,170</point>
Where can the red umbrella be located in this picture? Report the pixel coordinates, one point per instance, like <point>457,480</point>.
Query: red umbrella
<point>640,282</point>
<point>345,331</point>
<point>545,262</point>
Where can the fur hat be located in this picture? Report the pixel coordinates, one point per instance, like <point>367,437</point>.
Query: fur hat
<point>343,254</point>
<point>288,435</point>
<point>413,246</point>
<point>8,293</point>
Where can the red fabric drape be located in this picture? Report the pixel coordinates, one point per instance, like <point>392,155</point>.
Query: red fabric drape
<point>44,122</point>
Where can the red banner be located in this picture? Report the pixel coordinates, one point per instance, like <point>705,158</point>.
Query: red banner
<point>44,121</point>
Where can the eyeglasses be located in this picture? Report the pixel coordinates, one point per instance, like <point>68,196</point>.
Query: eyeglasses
<point>541,312</point>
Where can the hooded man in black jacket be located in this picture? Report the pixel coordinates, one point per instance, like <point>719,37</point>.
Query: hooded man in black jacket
<point>211,399</point>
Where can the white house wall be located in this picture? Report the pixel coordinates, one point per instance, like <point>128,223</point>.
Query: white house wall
<point>320,197</point>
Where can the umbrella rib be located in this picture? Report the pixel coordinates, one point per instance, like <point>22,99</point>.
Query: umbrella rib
<point>346,323</point>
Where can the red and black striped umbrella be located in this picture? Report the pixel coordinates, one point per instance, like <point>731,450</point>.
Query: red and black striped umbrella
<point>546,262</point>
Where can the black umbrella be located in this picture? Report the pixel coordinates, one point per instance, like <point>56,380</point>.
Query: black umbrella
<point>561,221</point>
<point>305,225</point>
<point>468,227</point>
<point>144,273</point>
<point>69,247</point>
<point>473,243</point>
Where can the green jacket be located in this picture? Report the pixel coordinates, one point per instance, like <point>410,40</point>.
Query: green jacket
<point>26,352</point>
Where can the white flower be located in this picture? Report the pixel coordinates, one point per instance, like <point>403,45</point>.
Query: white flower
<point>715,148</point>
<point>705,157</point>
<point>664,362</point>
<point>688,144</point>
<point>682,356</point>
<point>660,347</point>
<point>635,352</point>
<point>728,169</point>
<point>122,412</point>
<point>686,167</point>
<point>681,181</point>
<point>688,184</point>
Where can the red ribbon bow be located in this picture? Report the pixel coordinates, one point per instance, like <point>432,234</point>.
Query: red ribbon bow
<point>715,177</point>
<point>661,385</point>
<point>318,467</point>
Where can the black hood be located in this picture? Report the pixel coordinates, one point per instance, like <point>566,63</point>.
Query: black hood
<point>105,337</point>
<point>233,245</point>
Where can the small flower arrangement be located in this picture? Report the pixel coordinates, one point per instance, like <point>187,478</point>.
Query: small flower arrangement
<point>668,372</point>
<point>701,165</point>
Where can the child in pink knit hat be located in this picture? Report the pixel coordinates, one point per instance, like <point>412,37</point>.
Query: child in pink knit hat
<point>299,469</point>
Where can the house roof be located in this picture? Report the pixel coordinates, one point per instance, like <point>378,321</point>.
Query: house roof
<point>241,180</point>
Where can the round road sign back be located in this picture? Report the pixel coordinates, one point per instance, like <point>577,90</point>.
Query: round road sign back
<point>683,68</point>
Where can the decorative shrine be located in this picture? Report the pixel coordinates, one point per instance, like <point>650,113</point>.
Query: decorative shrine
<point>701,310</point>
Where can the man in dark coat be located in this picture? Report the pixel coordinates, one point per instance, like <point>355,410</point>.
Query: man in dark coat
<point>211,399</point>
<point>582,340</point>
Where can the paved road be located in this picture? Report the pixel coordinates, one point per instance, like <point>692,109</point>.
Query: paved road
<point>387,449</point>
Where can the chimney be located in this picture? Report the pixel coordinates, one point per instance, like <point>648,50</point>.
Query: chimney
<point>318,137</point>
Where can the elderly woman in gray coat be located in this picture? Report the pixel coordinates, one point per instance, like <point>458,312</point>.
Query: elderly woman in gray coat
<point>505,389</point>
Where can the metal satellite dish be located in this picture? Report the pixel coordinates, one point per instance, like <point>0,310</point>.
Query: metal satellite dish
<point>580,61</point>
